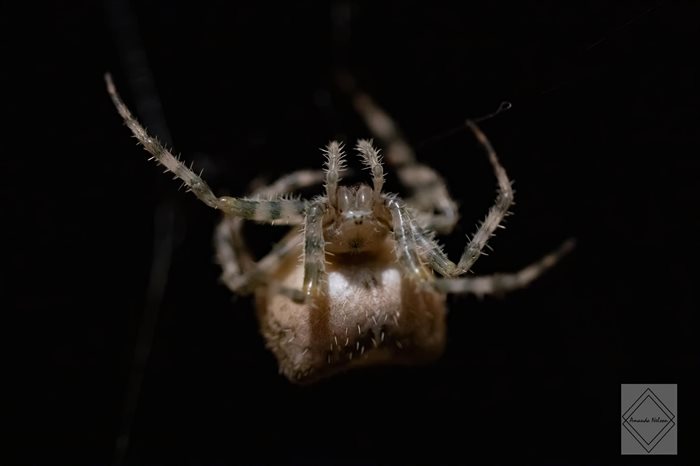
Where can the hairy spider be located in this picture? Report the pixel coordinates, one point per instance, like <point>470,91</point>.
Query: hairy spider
<point>366,291</point>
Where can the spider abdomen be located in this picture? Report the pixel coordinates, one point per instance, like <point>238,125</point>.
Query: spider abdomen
<point>368,313</point>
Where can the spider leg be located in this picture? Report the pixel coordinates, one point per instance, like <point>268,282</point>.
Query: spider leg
<point>434,254</point>
<point>503,283</point>
<point>407,246</point>
<point>314,249</point>
<point>430,195</point>
<point>289,183</point>
<point>241,274</point>
<point>496,214</point>
<point>287,211</point>
<point>232,253</point>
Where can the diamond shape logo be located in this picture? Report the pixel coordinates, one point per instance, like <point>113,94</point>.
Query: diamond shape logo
<point>648,419</point>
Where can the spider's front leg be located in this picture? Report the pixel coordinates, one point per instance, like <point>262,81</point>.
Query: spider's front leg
<point>281,211</point>
<point>496,214</point>
<point>407,242</point>
<point>434,254</point>
<point>491,284</point>
<point>241,274</point>
<point>314,250</point>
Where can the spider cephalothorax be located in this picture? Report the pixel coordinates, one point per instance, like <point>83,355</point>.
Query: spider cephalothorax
<point>358,223</point>
<point>356,217</point>
<point>372,284</point>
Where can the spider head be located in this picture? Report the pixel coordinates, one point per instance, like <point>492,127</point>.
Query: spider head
<point>356,227</point>
<point>357,220</point>
<point>355,204</point>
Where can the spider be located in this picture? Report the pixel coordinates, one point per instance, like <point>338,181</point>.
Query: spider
<point>372,285</point>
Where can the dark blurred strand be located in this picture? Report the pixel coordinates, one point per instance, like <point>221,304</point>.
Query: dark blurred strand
<point>122,21</point>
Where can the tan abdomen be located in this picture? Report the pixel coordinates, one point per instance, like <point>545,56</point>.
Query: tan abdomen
<point>369,314</point>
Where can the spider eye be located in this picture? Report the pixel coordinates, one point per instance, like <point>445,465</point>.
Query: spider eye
<point>344,198</point>
<point>364,198</point>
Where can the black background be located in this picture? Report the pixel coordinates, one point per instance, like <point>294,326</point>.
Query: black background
<point>602,142</point>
